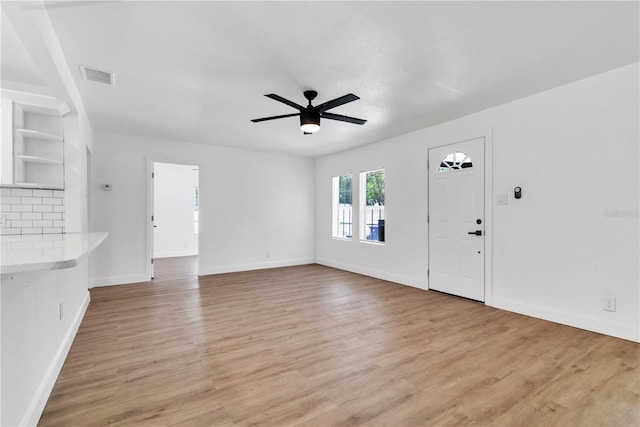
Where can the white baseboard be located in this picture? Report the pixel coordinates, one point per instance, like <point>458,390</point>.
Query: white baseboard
<point>206,270</point>
<point>36,407</point>
<point>568,318</point>
<point>378,274</point>
<point>175,254</point>
<point>96,282</point>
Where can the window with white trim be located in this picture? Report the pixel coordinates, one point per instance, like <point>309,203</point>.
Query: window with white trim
<point>342,203</point>
<point>372,193</point>
<point>455,161</point>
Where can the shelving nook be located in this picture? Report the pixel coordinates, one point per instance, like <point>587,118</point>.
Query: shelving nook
<point>32,141</point>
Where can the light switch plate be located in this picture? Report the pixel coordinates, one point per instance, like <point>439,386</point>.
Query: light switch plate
<point>502,199</point>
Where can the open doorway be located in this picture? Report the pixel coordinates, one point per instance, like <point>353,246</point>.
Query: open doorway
<point>175,221</point>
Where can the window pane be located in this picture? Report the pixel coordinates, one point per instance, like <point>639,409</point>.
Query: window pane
<point>372,195</point>
<point>196,203</point>
<point>342,201</point>
<point>455,161</point>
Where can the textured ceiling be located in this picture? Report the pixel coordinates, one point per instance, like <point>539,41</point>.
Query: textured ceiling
<point>197,71</point>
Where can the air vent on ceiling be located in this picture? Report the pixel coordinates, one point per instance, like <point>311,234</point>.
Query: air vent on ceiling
<point>100,76</point>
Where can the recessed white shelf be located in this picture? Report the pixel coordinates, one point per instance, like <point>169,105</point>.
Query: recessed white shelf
<point>27,184</point>
<point>34,134</point>
<point>36,159</point>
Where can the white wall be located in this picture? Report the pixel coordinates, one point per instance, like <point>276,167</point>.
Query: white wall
<point>571,239</point>
<point>173,210</point>
<point>35,341</point>
<point>244,223</point>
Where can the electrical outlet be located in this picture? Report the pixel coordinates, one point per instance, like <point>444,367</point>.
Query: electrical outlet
<point>267,255</point>
<point>61,310</point>
<point>609,303</point>
<point>502,199</point>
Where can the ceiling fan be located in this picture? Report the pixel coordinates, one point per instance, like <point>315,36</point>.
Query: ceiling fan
<point>310,115</point>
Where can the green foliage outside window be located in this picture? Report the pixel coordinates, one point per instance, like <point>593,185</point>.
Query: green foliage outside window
<point>345,189</point>
<point>375,188</point>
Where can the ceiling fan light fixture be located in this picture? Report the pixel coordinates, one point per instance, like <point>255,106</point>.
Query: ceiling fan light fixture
<point>309,121</point>
<point>310,115</point>
<point>310,127</point>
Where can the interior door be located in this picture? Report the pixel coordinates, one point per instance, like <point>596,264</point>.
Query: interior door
<point>152,226</point>
<point>456,219</point>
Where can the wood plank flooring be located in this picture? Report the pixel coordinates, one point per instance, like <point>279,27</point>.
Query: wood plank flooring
<point>315,346</point>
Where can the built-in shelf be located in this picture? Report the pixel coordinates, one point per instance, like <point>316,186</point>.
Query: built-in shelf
<point>36,159</point>
<point>34,134</point>
<point>32,140</point>
<point>26,184</point>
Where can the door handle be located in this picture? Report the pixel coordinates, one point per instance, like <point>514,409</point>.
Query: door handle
<point>477,232</point>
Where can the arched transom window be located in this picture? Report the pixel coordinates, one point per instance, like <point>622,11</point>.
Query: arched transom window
<point>455,161</point>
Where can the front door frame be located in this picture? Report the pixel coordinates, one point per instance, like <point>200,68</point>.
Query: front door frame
<point>488,209</point>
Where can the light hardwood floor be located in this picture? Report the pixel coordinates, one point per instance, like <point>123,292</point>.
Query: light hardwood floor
<point>316,346</point>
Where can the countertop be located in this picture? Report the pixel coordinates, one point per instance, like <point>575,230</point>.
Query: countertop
<point>37,252</point>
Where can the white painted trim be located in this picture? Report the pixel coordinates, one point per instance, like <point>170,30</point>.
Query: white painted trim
<point>568,318</point>
<point>36,407</point>
<point>174,254</point>
<point>488,217</point>
<point>204,270</point>
<point>96,282</point>
<point>150,205</point>
<point>149,227</point>
<point>415,282</point>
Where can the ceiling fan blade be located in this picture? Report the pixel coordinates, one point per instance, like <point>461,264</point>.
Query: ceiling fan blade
<point>342,118</point>
<point>285,101</point>
<point>275,117</point>
<point>337,102</point>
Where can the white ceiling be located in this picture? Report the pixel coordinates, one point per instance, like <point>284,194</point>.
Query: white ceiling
<point>17,66</point>
<point>197,71</point>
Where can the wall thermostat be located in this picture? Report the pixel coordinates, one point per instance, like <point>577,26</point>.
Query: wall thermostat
<point>106,187</point>
<point>517,192</point>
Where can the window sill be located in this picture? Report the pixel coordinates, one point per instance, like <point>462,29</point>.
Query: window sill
<point>344,239</point>
<point>373,242</point>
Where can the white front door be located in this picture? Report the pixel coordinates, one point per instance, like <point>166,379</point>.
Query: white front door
<point>456,219</point>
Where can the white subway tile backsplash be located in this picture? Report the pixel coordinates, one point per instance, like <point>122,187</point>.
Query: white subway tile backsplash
<point>43,193</point>
<point>21,192</point>
<point>55,215</point>
<point>11,200</point>
<point>51,201</point>
<point>32,231</point>
<point>31,201</point>
<point>6,231</point>
<point>31,215</point>
<point>43,208</point>
<point>43,223</point>
<point>31,211</point>
<point>19,223</point>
